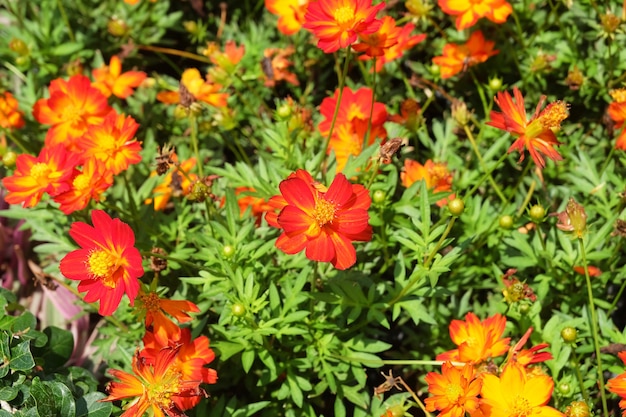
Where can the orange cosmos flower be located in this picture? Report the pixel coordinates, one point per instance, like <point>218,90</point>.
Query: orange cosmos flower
<point>324,223</point>
<point>108,265</point>
<point>10,116</point>
<point>174,183</point>
<point>354,109</point>
<point>112,142</point>
<point>477,341</point>
<point>73,107</point>
<point>454,392</point>
<point>276,66</point>
<point>346,142</point>
<point>375,44</point>
<point>617,112</point>
<point>435,174</point>
<point>404,42</point>
<point>290,14</point>
<point>111,80</point>
<point>457,58</point>
<point>617,385</point>
<point>51,172</point>
<point>155,386</point>
<point>515,393</point>
<point>469,11</point>
<point>527,357</point>
<point>338,23</point>
<point>535,135</point>
<point>594,271</point>
<point>86,185</point>
<point>154,309</point>
<point>257,205</point>
<point>198,88</point>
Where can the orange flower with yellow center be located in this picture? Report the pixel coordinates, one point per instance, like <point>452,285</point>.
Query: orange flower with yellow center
<point>107,265</point>
<point>51,172</point>
<point>404,42</point>
<point>10,116</point>
<point>110,79</point>
<point>89,184</point>
<point>290,14</point>
<point>457,58</point>
<point>469,11</point>
<point>515,393</point>
<point>338,23</point>
<point>537,134</point>
<point>155,308</point>
<point>454,392</point>
<point>375,44</point>
<point>477,341</point>
<point>199,88</point>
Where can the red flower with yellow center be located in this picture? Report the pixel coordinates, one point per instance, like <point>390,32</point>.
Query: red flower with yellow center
<point>51,172</point>
<point>86,185</point>
<point>536,135</point>
<point>199,88</point>
<point>155,386</point>
<point>290,14</point>
<point>107,265</point>
<point>617,385</point>
<point>477,341</point>
<point>73,107</point>
<point>323,223</point>
<point>435,174</point>
<point>111,80</point>
<point>113,143</point>
<point>454,392</point>
<point>338,23</point>
<point>469,11</point>
<point>515,393</point>
<point>375,44</point>
<point>10,116</point>
<point>457,58</point>
<point>154,308</point>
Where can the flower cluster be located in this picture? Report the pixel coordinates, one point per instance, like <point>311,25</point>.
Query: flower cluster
<point>87,144</point>
<point>470,383</point>
<point>617,113</point>
<point>468,12</point>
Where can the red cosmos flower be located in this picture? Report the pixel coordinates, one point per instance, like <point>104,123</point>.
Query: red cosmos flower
<point>435,174</point>
<point>155,385</point>
<point>617,385</point>
<point>154,309</point>
<point>10,116</point>
<point>51,172</point>
<point>111,80</point>
<point>477,340</point>
<point>290,14</point>
<point>199,88</point>
<point>404,42</point>
<point>375,44</point>
<point>337,23</point>
<point>457,58</point>
<point>112,142</point>
<point>535,135</point>
<point>90,183</point>
<point>324,223</point>
<point>107,265</point>
<point>469,11</point>
<point>73,106</point>
<point>454,392</point>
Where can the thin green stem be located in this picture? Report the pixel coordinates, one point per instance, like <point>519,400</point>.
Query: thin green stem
<point>481,161</point>
<point>484,177</point>
<point>66,20</point>
<point>529,195</point>
<point>579,376</point>
<point>16,141</point>
<point>607,160</point>
<point>417,400</point>
<point>443,237</point>
<point>369,120</point>
<point>594,328</point>
<point>193,125</point>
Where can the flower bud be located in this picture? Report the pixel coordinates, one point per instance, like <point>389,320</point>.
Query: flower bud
<point>117,27</point>
<point>456,207</point>
<point>577,217</point>
<point>19,47</point>
<point>506,222</point>
<point>537,213</point>
<point>577,409</point>
<point>495,84</point>
<point>228,251</point>
<point>379,197</point>
<point>238,310</point>
<point>460,114</point>
<point>569,334</point>
<point>9,158</point>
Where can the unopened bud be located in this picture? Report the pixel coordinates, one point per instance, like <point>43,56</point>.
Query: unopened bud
<point>117,27</point>
<point>19,47</point>
<point>460,114</point>
<point>577,217</point>
<point>577,409</point>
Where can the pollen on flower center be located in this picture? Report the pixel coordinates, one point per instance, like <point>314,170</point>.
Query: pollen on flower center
<point>554,114</point>
<point>324,212</point>
<point>102,265</point>
<point>453,393</point>
<point>81,182</point>
<point>150,301</point>
<point>521,407</point>
<point>344,15</point>
<point>40,170</point>
<point>618,95</point>
<point>160,394</point>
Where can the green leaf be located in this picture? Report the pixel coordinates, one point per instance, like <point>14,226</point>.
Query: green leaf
<point>90,406</point>
<point>67,48</point>
<point>247,359</point>
<point>21,358</point>
<point>52,398</point>
<point>8,393</point>
<point>56,352</point>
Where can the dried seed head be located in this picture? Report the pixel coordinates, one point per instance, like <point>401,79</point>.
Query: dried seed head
<point>158,263</point>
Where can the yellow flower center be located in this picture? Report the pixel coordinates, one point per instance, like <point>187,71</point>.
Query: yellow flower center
<point>324,212</point>
<point>40,171</point>
<point>355,112</point>
<point>344,15</point>
<point>81,182</point>
<point>453,393</point>
<point>521,407</point>
<point>161,391</point>
<point>553,115</point>
<point>102,265</point>
<point>618,95</point>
